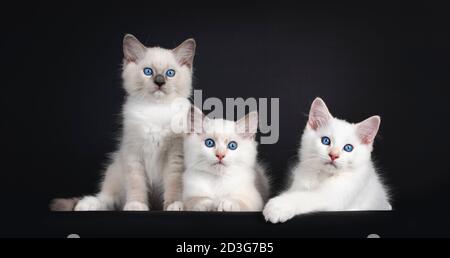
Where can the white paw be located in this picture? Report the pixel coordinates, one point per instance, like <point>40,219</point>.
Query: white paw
<point>175,206</point>
<point>204,205</point>
<point>278,210</point>
<point>90,203</point>
<point>228,205</point>
<point>135,206</point>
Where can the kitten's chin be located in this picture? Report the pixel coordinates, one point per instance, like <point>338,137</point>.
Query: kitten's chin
<point>331,164</point>
<point>331,167</point>
<point>163,96</point>
<point>218,168</point>
<point>159,94</point>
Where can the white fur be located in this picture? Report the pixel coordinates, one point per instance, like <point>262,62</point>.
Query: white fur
<point>149,161</point>
<point>350,183</point>
<point>237,184</point>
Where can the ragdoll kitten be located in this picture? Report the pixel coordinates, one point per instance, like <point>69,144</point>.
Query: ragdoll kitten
<point>335,171</point>
<point>222,172</point>
<point>147,168</point>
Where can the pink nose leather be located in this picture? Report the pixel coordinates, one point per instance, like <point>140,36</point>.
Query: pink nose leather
<point>333,156</point>
<point>220,156</point>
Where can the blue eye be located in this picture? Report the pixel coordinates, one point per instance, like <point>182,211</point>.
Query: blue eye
<point>348,147</point>
<point>209,143</point>
<point>326,140</point>
<point>232,145</point>
<point>148,71</point>
<point>170,73</point>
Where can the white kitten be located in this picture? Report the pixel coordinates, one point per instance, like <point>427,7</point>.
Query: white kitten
<point>149,162</point>
<point>222,172</point>
<point>335,171</point>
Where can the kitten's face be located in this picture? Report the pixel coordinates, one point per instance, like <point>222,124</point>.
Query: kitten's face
<point>156,74</point>
<point>334,144</point>
<point>221,144</point>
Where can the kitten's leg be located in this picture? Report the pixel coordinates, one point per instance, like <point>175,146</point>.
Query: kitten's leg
<point>199,204</point>
<point>109,195</point>
<point>281,208</point>
<point>232,205</point>
<point>246,199</point>
<point>172,192</point>
<point>172,176</point>
<point>249,201</point>
<point>135,184</point>
<point>335,194</point>
<point>290,204</point>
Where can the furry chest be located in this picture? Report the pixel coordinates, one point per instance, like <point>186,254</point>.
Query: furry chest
<point>222,186</point>
<point>155,137</point>
<point>154,150</point>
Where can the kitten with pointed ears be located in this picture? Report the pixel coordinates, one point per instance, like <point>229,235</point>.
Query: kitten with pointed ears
<point>146,171</point>
<point>335,171</point>
<point>222,171</point>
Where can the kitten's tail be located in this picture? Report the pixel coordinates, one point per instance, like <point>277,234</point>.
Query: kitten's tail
<point>64,204</point>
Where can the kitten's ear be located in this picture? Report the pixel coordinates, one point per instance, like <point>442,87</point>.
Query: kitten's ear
<point>133,49</point>
<point>318,114</point>
<point>367,129</point>
<point>185,52</point>
<point>248,125</point>
<point>195,119</point>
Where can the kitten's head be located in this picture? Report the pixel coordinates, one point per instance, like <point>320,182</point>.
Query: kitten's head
<point>215,144</point>
<point>157,74</point>
<point>333,144</point>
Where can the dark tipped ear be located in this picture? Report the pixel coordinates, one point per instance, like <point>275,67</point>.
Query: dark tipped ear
<point>195,119</point>
<point>248,125</point>
<point>133,49</point>
<point>318,114</point>
<point>185,52</point>
<point>368,129</point>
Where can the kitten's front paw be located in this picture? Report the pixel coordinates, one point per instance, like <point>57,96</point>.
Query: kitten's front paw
<point>175,206</point>
<point>90,203</point>
<point>204,205</point>
<point>135,206</point>
<point>228,205</point>
<point>278,210</point>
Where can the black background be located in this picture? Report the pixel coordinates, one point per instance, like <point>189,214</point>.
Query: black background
<point>61,90</point>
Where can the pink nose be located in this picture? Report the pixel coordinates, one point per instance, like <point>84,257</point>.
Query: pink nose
<point>333,156</point>
<point>220,156</point>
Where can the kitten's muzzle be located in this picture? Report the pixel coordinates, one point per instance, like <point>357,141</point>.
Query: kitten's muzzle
<point>220,156</point>
<point>159,80</point>
<point>333,156</point>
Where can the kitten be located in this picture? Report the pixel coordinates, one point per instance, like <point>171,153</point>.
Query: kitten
<point>335,171</point>
<point>222,172</point>
<point>149,162</point>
